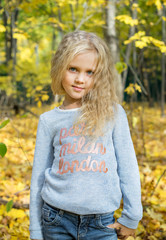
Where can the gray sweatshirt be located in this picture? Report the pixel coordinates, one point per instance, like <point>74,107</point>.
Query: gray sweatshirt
<point>76,174</point>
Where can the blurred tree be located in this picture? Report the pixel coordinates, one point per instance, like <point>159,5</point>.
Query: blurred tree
<point>111,38</point>
<point>31,31</point>
<point>163,85</point>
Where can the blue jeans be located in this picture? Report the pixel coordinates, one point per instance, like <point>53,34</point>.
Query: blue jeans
<point>62,225</point>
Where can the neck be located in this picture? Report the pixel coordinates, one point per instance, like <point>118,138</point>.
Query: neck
<point>70,105</point>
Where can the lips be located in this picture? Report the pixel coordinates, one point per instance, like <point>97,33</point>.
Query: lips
<point>77,88</point>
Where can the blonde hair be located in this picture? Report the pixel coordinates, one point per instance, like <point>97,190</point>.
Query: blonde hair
<point>99,103</point>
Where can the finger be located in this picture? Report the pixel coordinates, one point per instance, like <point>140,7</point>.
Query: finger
<point>118,229</point>
<point>116,224</point>
<point>121,237</point>
<point>118,232</point>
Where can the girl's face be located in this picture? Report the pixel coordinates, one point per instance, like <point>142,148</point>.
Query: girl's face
<point>78,78</point>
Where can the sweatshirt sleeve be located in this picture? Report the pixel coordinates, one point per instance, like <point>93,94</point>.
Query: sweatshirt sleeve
<point>43,158</point>
<point>128,172</point>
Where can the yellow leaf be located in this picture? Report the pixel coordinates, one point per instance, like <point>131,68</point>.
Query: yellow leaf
<point>158,4</point>
<point>163,49</point>
<point>39,104</point>
<point>156,216</point>
<point>45,97</point>
<point>150,2</point>
<point>53,20</point>
<point>13,238</point>
<point>140,229</point>
<point>138,88</point>
<point>25,53</point>
<point>134,121</point>
<point>152,237</point>
<point>147,39</point>
<point>19,36</point>
<point>155,2</point>
<point>39,88</point>
<point>130,89</point>
<point>62,25</point>
<point>16,213</point>
<point>136,36</point>
<point>11,224</point>
<point>127,20</point>
<point>140,44</point>
<point>163,226</point>
<point>157,42</point>
<point>135,5</point>
<point>2,28</point>
<point>2,209</point>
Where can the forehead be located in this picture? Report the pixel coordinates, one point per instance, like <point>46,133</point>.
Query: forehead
<point>86,59</point>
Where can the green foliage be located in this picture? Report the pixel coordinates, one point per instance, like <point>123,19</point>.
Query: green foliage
<point>9,205</point>
<point>4,123</point>
<point>3,70</point>
<point>3,149</point>
<point>39,29</point>
<point>41,25</point>
<point>121,66</point>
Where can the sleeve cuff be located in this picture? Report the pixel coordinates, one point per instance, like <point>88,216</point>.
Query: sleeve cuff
<point>36,235</point>
<point>128,222</point>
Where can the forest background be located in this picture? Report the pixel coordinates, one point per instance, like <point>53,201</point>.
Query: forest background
<point>30,32</point>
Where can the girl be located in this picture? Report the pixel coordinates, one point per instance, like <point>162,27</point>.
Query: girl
<point>84,161</point>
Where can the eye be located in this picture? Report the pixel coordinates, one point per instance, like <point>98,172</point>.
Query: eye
<point>72,69</point>
<point>90,73</point>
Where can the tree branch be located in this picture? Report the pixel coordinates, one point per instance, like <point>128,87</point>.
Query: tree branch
<point>135,75</point>
<point>15,205</point>
<point>158,182</point>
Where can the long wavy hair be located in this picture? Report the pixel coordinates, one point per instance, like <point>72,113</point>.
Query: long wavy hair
<point>99,104</point>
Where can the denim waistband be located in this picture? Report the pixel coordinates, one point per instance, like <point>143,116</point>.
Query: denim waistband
<point>79,215</point>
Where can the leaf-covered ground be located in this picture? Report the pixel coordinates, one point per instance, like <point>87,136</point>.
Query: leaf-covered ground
<point>148,131</point>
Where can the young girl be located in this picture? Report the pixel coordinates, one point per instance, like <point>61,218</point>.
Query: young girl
<point>84,161</point>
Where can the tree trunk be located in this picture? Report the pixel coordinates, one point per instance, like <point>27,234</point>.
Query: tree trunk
<point>163,67</point>
<point>37,54</point>
<point>13,50</point>
<point>53,40</point>
<point>111,39</point>
<point>5,20</point>
<point>60,20</point>
<point>147,86</point>
<point>7,38</point>
<point>73,17</point>
<point>134,16</point>
<point>14,16</point>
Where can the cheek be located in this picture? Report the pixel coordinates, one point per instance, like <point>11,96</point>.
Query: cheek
<point>63,83</point>
<point>68,78</point>
<point>90,84</point>
<point>65,80</point>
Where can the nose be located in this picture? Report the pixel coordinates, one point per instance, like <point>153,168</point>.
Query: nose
<point>80,78</point>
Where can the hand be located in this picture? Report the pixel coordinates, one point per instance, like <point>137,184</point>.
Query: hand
<point>122,231</point>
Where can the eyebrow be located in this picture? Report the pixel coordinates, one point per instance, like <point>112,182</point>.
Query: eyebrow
<point>74,66</point>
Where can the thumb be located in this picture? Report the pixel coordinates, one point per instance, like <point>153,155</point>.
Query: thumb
<point>115,225</point>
